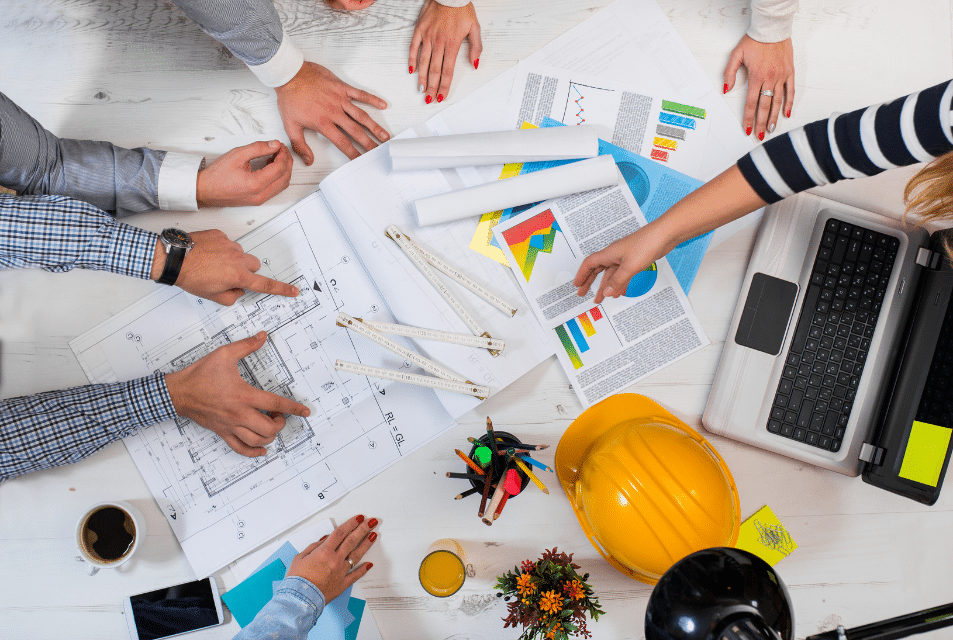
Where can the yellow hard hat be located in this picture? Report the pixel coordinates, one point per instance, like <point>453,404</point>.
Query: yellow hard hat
<point>646,488</point>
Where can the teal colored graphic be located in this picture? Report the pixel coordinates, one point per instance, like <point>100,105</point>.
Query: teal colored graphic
<point>642,283</point>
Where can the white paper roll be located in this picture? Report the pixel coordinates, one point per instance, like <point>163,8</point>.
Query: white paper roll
<point>527,188</point>
<point>512,146</point>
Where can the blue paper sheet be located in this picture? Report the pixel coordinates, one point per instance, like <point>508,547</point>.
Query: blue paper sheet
<point>655,188</point>
<point>334,620</point>
<point>355,606</point>
<point>247,598</point>
<point>286,552</point>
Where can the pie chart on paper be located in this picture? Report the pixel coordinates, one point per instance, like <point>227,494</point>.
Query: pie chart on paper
<point>642,282</point>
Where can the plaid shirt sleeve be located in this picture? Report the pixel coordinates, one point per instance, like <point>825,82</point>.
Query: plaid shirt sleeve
<point>62,427</point>
<point>59,234</point>
<point>34,161</point>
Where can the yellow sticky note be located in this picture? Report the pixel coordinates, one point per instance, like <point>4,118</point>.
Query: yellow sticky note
<point>926,450</point>
<point>764,535</point>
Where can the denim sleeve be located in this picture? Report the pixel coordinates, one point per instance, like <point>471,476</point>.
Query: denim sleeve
<point>289,615</point>
<point>33,161</point>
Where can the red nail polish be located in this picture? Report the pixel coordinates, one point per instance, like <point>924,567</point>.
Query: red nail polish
<point>748,131</point>
<point>789,113</point>
<point>428,99</point>
<point>761,136</point>
<point>360,518</point>
<point>411,70</point>
<point>322,538</point>
<point>726,89</point>
<point>372,537</point>
<point>476,64</point>
<point>372,524</point>
<point>369,566</point>
<point>439,98</point>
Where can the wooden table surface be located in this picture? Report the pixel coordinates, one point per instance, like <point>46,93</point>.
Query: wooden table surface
<point>140,73</point>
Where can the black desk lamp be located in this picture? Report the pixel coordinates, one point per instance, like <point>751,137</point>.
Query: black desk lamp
<point>720,593</point>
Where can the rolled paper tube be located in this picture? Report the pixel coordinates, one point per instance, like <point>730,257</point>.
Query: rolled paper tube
<point>487,148</point>
<point>524,189</point>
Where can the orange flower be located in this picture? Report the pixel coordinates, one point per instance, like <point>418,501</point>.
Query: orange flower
<point>550,602</point>
<point>524,586</point>
<point>574,589</point>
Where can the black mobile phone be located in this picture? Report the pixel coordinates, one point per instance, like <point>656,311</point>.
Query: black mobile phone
<point>174,610</point>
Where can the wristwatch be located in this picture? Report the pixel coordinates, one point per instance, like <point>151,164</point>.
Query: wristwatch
<point>177,243</point>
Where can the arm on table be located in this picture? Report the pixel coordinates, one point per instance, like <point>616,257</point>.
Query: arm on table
<point>309,95</point>
<point>320,573</point>
<point>767,53</point>
<point>863,143</point>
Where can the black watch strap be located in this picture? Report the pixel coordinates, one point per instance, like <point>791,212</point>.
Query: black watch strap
<point>173,264</point>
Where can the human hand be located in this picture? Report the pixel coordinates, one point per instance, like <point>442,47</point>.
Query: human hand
<point>211,392</point>
<point>770,68</point>
<point>218,269</point>
<point>318,100</point>
<point>324,563</point>
<point>619,261</point>
<point>437,38</point>
<point>349,5</point>
<point>230,179</point>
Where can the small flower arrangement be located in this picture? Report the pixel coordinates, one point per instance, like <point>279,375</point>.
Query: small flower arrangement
<point>549,598</point>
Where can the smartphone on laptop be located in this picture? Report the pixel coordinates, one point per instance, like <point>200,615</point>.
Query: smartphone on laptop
<point>174,610</point>
<point>831,348</point>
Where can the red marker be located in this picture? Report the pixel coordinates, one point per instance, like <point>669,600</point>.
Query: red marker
<point>510,488</point>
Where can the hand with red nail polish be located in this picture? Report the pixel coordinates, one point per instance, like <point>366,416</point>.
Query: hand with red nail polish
<point>770,69</point>
<point>325,563</point>
<point>316,99</point>
<point>437,38</point>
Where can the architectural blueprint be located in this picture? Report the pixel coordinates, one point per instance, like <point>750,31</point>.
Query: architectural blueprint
<point>220,504</point>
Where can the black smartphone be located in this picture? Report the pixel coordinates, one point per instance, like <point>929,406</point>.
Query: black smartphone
<point>174,610</point>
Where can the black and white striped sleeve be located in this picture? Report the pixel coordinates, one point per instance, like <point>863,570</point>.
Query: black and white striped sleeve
<point>863,143</point>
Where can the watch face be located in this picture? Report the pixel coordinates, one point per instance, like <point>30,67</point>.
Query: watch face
<point>177,237</point>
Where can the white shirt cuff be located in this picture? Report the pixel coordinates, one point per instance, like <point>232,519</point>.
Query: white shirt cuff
<point>283,66</point>
<point>772,20</point>
<point>454,3</point>
<point>177,178</point>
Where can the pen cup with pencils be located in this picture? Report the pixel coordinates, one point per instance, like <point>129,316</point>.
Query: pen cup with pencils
<point>503,437</point>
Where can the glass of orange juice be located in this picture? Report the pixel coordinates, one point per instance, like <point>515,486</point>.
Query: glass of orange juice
<point>444,568</point>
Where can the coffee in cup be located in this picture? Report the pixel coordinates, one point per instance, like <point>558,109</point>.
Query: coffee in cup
<point>108,534</point>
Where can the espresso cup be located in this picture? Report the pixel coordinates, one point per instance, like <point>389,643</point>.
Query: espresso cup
<point>108,534</point>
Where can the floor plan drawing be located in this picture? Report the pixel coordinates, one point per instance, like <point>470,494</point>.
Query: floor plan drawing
<point>221,504</point>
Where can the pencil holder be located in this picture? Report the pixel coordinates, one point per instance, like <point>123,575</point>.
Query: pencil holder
<point>497,472</point>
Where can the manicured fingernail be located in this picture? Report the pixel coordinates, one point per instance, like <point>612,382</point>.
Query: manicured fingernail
<point>372,537</point>
<point>771,128</point>
<point>761,136</point>
<point>420,89</point>
<point>369,566</point>
<point>372,524</point>
<point>476,64</point>
<point>411,69</point>
<point>322,538</point>
<point>726,89</point>
<point>789,113</point>
<point>428,99</point>
<point>748,131</point>
<point>440,98</point>
<point>360,518</point>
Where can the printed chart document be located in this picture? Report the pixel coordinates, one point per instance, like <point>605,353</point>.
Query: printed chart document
<point>661,127</point>
<point>604,348</point>
<point>221,504</point>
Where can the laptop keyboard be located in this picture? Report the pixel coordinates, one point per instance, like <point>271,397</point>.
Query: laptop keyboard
<point>832,337</point>
<point>936,404</point>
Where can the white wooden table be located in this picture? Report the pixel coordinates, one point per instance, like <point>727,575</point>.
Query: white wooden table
<point>140,73</point>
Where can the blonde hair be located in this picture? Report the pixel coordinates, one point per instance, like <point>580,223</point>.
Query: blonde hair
<point>929,194</point>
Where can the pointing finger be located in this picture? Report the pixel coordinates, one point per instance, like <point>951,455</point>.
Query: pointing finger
<point>262,284</point>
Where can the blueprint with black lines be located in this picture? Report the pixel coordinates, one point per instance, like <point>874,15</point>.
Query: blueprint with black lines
<point>220,504</point>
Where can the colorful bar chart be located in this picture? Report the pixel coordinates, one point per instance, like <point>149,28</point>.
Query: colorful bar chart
<point>575,334</point>
<point>533,236</point>
<point>568,346</point>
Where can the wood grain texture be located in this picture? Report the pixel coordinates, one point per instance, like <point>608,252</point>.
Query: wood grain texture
<point>138,72</point>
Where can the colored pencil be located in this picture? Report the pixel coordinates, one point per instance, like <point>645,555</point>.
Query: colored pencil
<point>532,477</point>
<point>511,488</point>
<point>486,489</point>
<point>474,441</point>
<point>533,461</point>
<point>466,459</point>
<point>498,495</point>
<point>463,495</point>
<point>462,475</point>
<point>492,437</point>
<point>522,446</point>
